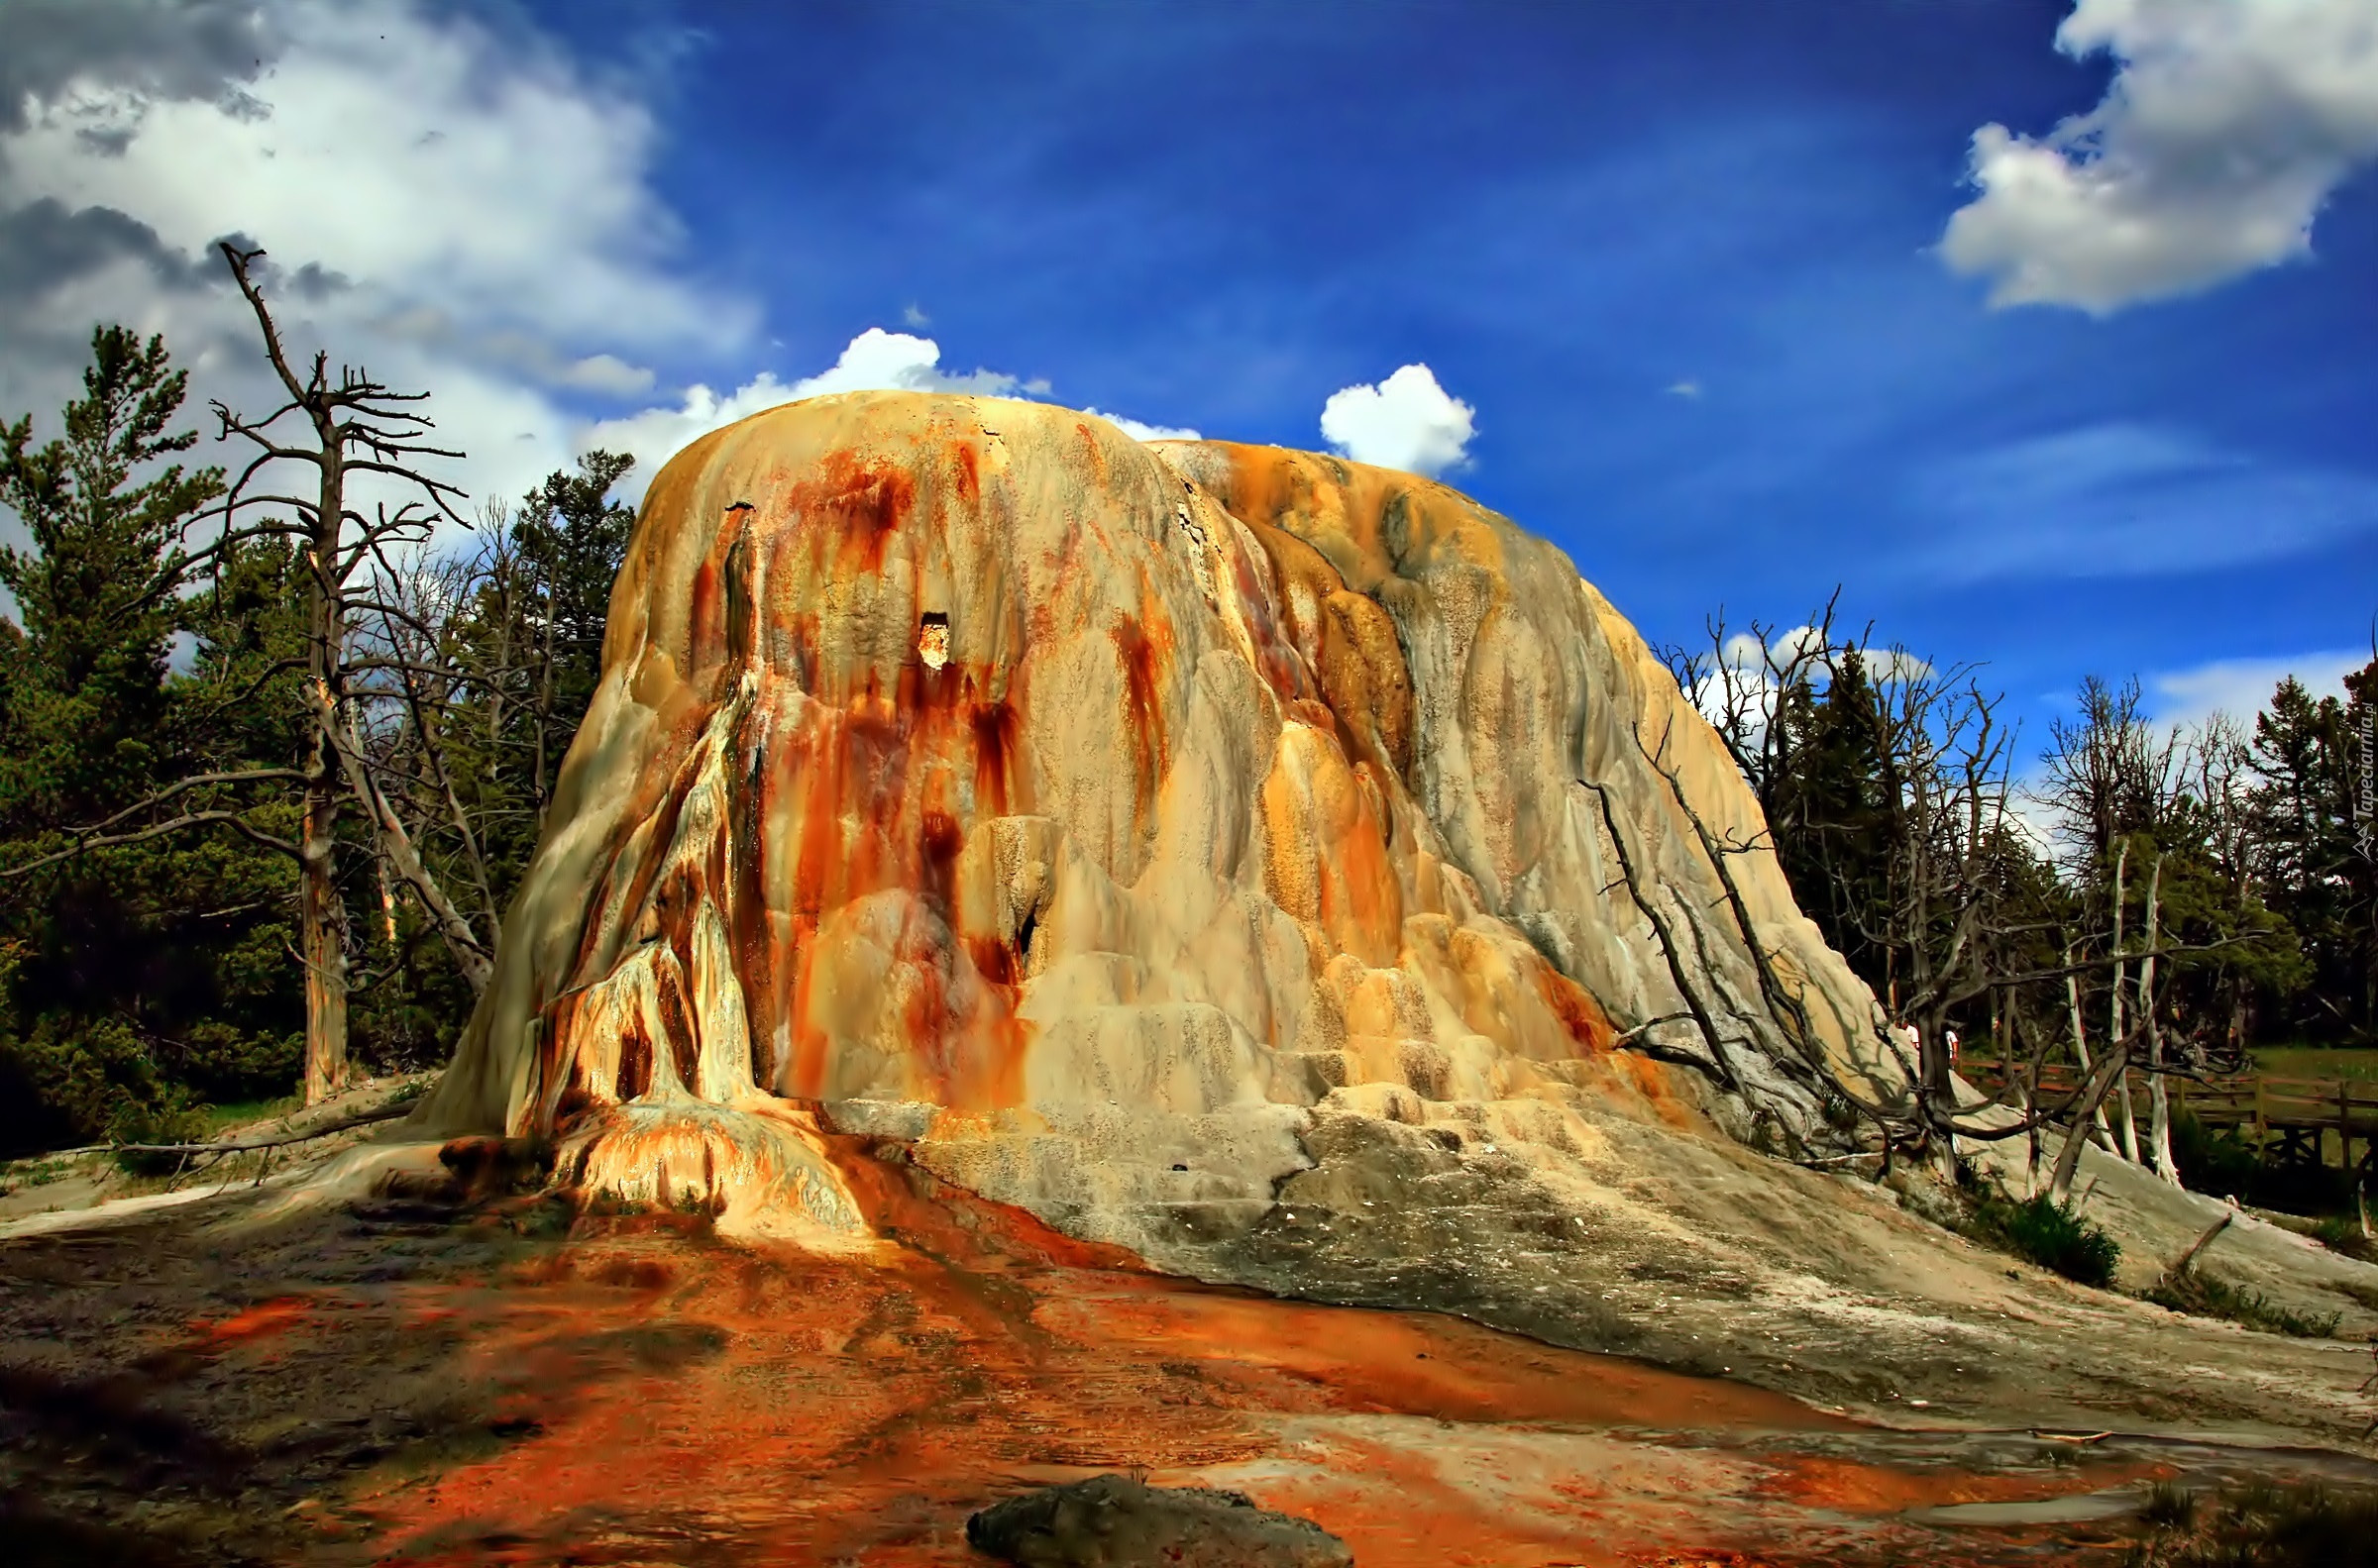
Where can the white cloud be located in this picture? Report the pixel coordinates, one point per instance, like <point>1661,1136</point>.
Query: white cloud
<point>874,360</point>
<point>655,435</point>
<point>1690,391</point>
<point>1405,422</point>
<point>1745,652</point>
<point>913,315</point>
<point>877,360</point>
<point>1139,432</point>
<point>463,210</point>
<point>2242,686</point>
<point>424,158</point>
<point>2226,127</point>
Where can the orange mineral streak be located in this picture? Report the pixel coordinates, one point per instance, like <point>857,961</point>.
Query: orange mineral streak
<point>1870,1488</point>
<point>806,810</point>
<point>263,1319</point>
<point>764,1406</point>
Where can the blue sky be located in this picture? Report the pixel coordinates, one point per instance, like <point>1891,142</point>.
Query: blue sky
<point>1683,262</point>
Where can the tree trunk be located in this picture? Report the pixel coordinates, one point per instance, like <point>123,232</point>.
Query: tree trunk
<point>321,915</point>
<point>2071,998</point>
<point>397,849</point>
<point>2092,1095</point>
<point>2114,1031</point>
<point>2159,1101</point>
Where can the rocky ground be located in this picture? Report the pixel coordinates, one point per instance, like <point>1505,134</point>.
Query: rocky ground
<point>509,1379</point>
<point>1689,1250</point>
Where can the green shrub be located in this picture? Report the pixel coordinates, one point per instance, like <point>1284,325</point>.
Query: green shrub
<point>2043,1231</point>
<point>168,1120</point>
<point>2261,1526</point>
<point>2202,1296</point>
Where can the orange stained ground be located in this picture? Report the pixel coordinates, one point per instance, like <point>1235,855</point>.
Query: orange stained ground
<point>687,1402</point>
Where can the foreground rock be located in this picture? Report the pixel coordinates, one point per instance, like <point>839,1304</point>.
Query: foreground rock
<point>1114,1521</point>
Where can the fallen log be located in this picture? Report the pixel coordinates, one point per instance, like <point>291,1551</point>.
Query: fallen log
<point>343,1124</point>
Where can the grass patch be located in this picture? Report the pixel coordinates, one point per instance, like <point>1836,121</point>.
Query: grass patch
<point>2311,1061</point>
<point>37,1173</point>
<point>2169,1506</point>
<point>2259,1526</point>
<point>213,1120</point>
<point>2341,1234</point>
<point>2041,1230</point>
<point>2202,1296</point>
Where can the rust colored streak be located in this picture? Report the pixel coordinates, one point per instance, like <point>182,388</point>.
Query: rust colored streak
<point>994,960</point>
<point>819,758</point>
<point>750,934</point>
<point>939,841</point>
<point>1577,1009</point>
<point>642,880</point>
<point>860,503</point>
<point>1141,657</point>
<point>710,632</point>
<point>676,1025</point>
<point>996,727</point>
<point>557,1058</point>
<point>702,620</point>
<point>635,1061</point>
<point>1096,455</point>
<point>1362,902</point>
<point>264,1317</point>
<point>969,473</point>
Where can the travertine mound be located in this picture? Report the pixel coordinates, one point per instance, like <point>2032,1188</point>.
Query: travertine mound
<point>1097,816</point>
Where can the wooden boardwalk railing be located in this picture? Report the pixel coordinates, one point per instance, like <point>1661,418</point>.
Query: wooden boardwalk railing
<point>2289,1120</point>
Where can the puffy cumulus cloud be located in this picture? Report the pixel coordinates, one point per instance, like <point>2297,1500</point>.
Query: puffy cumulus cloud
<point>2240,687</point>
<point>1750,651</point>
<point>655,435</point>
<point>1761,660</point>
<point>875,361</point>
<point>1405,422</point>
<point>2227,126</point>
<point>463,209</point>
<point>1142,432</point>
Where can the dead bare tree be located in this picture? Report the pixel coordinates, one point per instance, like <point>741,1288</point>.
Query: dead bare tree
<point>348,428</point>
<point>1956,917</point>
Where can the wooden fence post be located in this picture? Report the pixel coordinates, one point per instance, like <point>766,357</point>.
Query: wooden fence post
<point>2344,1124</point>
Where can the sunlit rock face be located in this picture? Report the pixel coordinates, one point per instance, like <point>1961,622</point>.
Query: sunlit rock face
<point>1100,817</point>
